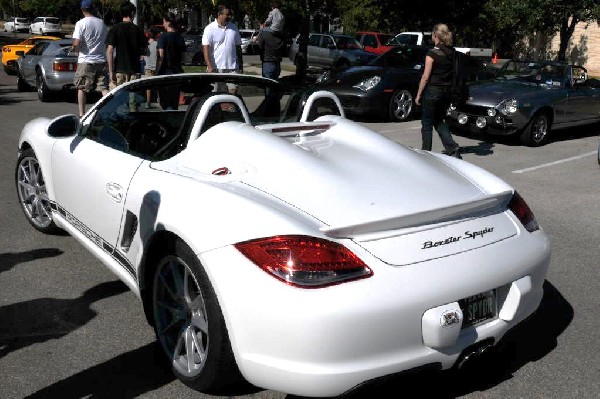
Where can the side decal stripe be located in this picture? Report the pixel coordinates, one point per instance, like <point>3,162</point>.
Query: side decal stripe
<point>95,238</point>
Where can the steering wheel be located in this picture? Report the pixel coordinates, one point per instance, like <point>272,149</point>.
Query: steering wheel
<point>147,137</point>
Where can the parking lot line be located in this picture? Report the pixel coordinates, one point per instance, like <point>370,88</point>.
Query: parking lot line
<point>545,165</point>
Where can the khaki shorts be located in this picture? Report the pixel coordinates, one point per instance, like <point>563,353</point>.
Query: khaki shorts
<point>124,78</point>
<point>90,77</point>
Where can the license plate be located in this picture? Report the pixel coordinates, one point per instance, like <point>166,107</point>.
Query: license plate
<point>478,309</point>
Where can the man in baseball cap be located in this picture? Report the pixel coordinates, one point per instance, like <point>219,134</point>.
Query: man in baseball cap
<point>89,39</point>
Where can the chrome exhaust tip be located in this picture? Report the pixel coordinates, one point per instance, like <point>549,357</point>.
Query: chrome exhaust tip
<point>474,351</point>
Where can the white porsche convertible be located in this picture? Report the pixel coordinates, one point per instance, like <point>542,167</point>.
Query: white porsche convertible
<point>272,240</point>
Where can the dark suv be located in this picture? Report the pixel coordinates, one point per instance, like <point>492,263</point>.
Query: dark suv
<point>331,51</point>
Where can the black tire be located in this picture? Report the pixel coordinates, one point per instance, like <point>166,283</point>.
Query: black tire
<point>43,92</point>
<point>21,84</point>
<point>33,197</point>
<point>537,130</point>
<point>9,71</point>
<point>194,314</point>
<point>402,106</point>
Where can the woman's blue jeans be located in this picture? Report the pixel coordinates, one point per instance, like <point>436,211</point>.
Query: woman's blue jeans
<point>435,103</point>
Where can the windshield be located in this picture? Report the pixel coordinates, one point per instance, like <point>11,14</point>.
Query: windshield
<point>246,34</point>
<point>531,71</point>
<point>400,57</point>
<point>344,42</point>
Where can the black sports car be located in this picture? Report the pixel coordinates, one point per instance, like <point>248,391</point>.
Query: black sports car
<point>386,86</point>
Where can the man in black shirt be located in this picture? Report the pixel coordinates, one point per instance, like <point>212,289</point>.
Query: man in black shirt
<point>130,44</point>
<point>271,47</point>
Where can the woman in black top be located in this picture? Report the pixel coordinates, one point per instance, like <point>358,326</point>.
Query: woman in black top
<point>171,47</point>
<point>434,88</point>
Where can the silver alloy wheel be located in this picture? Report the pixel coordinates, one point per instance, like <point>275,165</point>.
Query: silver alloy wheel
<point>31,188</point>
<point>539,128</point>
<point>180,316</point>
<point>401,105</point>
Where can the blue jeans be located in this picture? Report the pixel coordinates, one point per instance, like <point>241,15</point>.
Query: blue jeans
<point>435,103</point>
<point>271,69</point>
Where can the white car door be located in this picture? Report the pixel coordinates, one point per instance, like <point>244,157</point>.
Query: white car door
<point>90,182</point>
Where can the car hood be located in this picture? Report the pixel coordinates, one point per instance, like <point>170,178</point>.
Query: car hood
<point>349,178</point>
<point>356,74</point>
<point>492,93</point>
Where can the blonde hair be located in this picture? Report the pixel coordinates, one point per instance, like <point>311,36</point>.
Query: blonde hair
<point>443,33</point>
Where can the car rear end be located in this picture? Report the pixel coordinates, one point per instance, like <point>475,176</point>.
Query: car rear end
<point>406,259</point>
<point>51,25</point>
<point>21,24</point>
<point>60,69</point>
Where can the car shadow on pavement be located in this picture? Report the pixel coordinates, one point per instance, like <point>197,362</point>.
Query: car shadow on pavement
<point>125,376</point>
<point>10,259</point>
<point>41,319</point>
<point>7,96</point>
<point>535,338</point>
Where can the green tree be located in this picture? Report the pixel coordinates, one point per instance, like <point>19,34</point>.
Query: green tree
<point>545,17</point>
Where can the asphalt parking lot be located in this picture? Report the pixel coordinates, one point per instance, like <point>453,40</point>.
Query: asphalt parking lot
<point>75,331</point>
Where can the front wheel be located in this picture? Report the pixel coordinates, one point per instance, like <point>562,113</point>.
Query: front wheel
<point>537,130</point>
<point>189,324</point>
<point>33,197</point>
<point>401,106</point>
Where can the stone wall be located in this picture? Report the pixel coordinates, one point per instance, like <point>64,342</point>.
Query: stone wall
<point>584,47</point>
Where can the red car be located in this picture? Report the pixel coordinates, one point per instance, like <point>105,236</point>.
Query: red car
<point>374,42</point>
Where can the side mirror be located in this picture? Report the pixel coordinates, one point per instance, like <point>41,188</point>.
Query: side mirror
<point>331,46</point>
<point>64,126</point>
<point>581,79</point>
<point>20,53</point>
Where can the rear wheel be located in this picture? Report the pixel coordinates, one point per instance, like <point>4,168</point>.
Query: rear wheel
<point>33,197</point>
<point>401,106</point>
<point>43,92</point>
<point>189,324</point>
<point>536,132</point>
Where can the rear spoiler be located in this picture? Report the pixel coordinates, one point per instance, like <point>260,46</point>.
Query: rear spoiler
<point>389,226</point>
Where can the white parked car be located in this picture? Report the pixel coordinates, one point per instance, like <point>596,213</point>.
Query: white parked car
<point>45,26</point>
<point>16,24</point>
<point>304,252</point>
<point>250,41</point>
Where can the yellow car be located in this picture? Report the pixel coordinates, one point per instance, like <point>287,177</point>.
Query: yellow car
<point>9,51</point>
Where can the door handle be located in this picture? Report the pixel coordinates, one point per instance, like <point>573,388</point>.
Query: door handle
<point>115,191</point>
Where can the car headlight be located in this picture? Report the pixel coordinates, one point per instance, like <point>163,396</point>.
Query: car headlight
<point>324,77</point>
<point>368,84</point>
<point>510,106</point>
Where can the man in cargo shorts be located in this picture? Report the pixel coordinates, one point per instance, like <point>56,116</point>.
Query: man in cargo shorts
<point>89,39</point>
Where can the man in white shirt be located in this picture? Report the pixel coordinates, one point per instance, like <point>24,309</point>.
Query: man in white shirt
<point>88,39</point>
<point>222,45</point>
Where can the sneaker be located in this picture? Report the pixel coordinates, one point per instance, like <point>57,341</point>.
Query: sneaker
<point>148,106</point>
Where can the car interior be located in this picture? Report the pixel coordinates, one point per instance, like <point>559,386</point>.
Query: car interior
<point>126,122</point>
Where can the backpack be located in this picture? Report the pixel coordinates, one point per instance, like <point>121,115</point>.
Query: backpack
<point>459,91</point>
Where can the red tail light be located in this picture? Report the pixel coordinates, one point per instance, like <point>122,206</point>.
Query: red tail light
<point>64,66</point>
<point>519,207</point>
<point>305,262</point>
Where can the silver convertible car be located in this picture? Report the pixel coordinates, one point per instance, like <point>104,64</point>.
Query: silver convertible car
<point>283,244</point>
<point>49,67</point>
<point>529,99</point>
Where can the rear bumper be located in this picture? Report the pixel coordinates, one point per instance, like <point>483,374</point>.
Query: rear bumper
<point>330,341</point>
